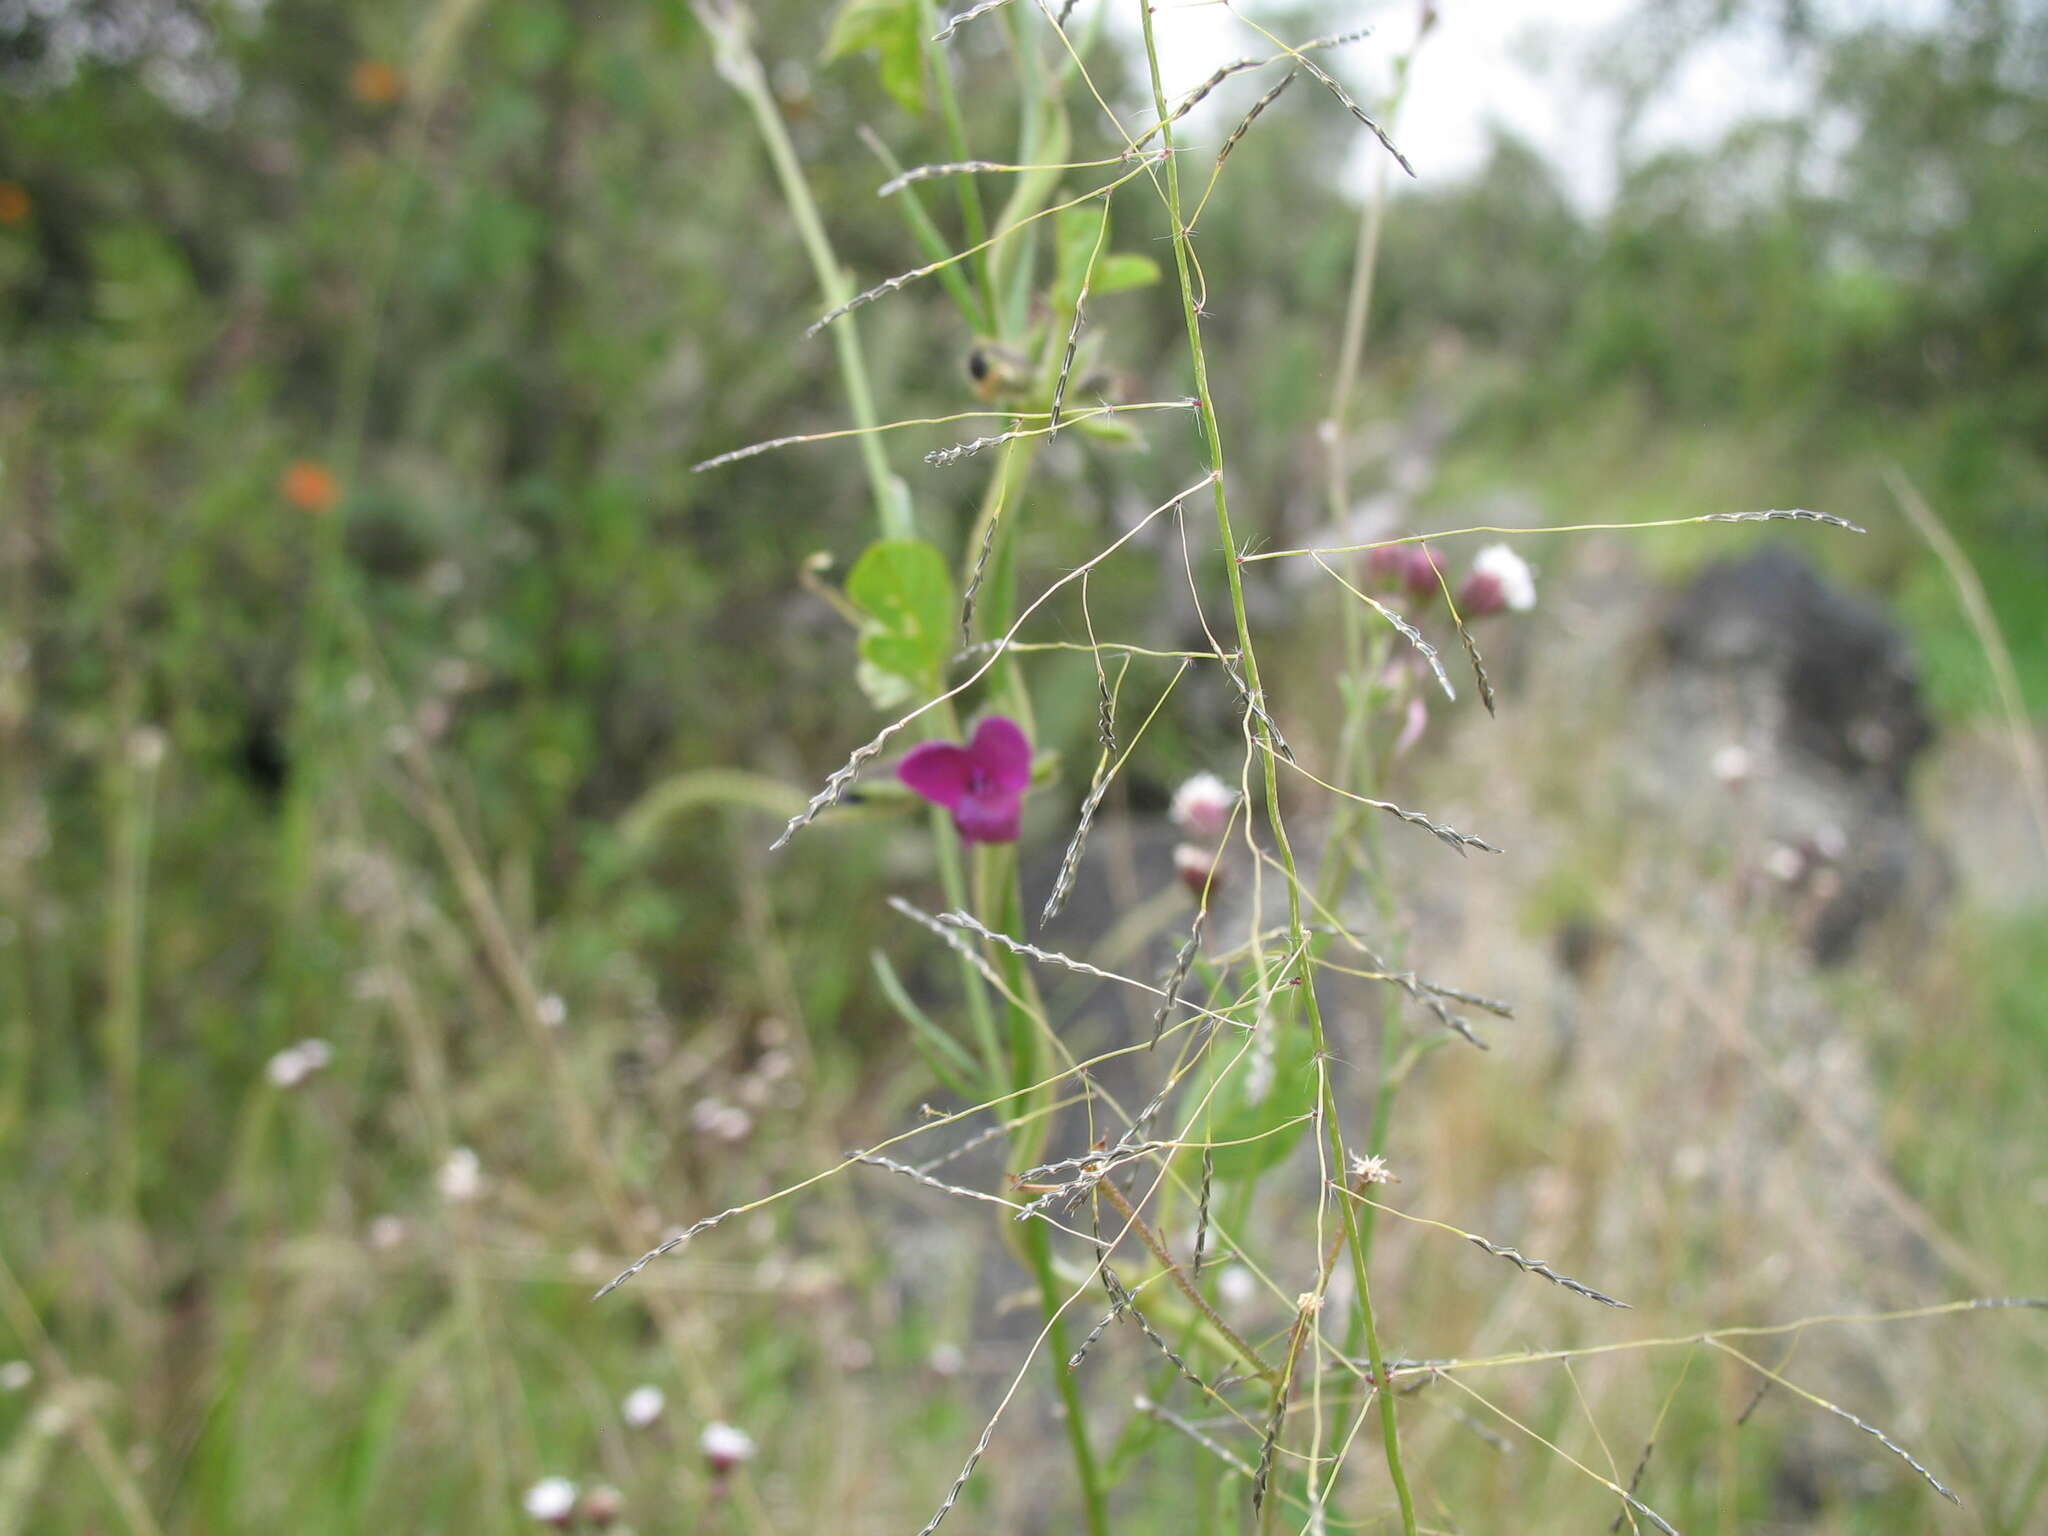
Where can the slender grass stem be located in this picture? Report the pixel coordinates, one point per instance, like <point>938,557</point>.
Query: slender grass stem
<point>973,219</point>
<point>1212,431</point>
<point>742,70</point>
<point>112,1470</point>
<point>1367,661</point>
<point>1002,902</point>
<point>134,818</point>
<point>1094,1500</point>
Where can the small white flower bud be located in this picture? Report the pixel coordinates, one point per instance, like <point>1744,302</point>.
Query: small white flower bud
<point>643,1405</point>
<point>461,1177</point>
<point>552,1500</point>
<point>725,1447</point>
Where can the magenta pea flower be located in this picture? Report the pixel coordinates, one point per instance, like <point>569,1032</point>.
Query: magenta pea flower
<point>982,783</point>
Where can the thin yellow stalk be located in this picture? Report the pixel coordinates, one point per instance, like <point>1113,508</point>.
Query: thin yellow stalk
<point>1212,431</point>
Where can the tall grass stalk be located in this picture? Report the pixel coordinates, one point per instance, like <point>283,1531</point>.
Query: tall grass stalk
<point>997,890</point>
<point>137,760</point>
<point>2026,748</point>
<point>1331,1128</point>
<point>1367,660</point>
<point>78,1402</point>
<point>740,68</point>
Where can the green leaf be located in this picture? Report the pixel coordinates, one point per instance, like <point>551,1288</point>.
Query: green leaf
<point>1014,259</point>
<point>891,29</point>
<point>1273,1084</point>
<point>1078,234</point>
<point>1121,271</point>
<point>884,690</point>
<point>946,1056</point>
<point>1115,272</point>
<point>903,588</point>
<point>1113,430</point>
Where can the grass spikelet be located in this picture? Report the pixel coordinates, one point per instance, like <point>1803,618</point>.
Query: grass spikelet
<point>967,922</point>
<point>1201,93</point>
<point>1336,40</point>
<point>980,1138</point>
<point>1408,981</point>
<point>751,450</point>
<point>1105,769</point>
<point>1444,833</point>
<point>981,557</point>
<point>1543,1270</point>
<point>1454,1022</point>
<point>919,1176</point>
<point>1281,1395</point>
<point>1430,997</point>
<point>889,285</point>
<point>1789,515</point>
<point>1406,630</point>
<point>973,1457</point>
<point>1081,1175</point>
<point>1070,863</point>
<point>1131,1310</point>
<point>1176,978</point>
<point>661,1250</point>
<point>950,933</point>
<point>1538,1267</point>
<point>1839,1412</point>
<point>1245,125</point>
<point>835,787</point>
<point>1059,388</point>
<point>1472,655</point>
<point>1255,706</point>
<point>956,22</point>
<point>1118,1298</point>
<point>1357,111</point>
<point>939,458</point>
<point>919,173</point>
<point>1635,1482</point>
<point>1105,700</point>
<point>1214,1447</point>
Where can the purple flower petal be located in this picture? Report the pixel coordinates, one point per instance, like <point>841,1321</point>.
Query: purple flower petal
<point>1003,754</point>
<point>989,818</point>
<point>939,771</point>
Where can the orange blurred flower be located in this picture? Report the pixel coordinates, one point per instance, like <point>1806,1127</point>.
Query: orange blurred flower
<point>310,487</point>
<point>374,83</point>
<point>14,203</point>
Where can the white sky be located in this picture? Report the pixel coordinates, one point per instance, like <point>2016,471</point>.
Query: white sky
<point>1507,61</point>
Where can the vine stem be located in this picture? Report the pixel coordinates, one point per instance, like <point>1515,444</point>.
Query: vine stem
<point>1212,431</point>
<point>1002,903</point>
<point>741,69</point>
